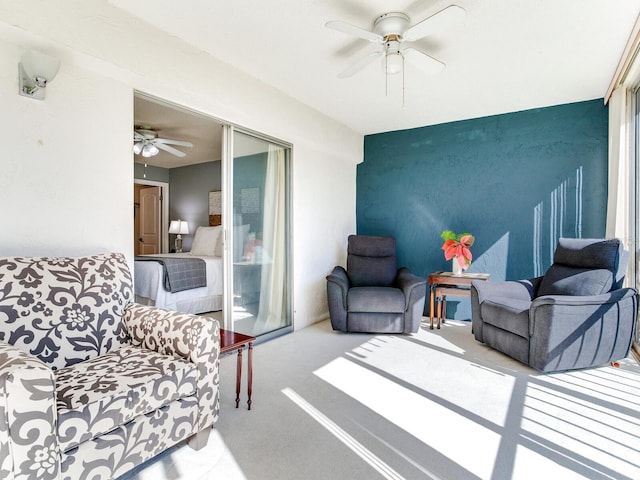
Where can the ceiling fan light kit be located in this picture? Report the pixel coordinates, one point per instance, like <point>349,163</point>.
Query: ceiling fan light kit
<point>391,30</point>
<point>147,143</point>
<point>393,60</point>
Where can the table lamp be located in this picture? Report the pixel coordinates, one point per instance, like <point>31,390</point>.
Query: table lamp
<point>180,228</point>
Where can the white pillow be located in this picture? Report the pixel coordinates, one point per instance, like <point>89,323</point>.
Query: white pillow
<point>219,245</point>
<point>239,236</point>
<point>205,240</point>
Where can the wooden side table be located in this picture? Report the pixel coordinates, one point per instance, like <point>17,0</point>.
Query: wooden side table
<point>230,341</point>
<point>442,284</point>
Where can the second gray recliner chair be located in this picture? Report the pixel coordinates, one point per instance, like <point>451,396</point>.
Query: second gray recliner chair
<point>575,316</point>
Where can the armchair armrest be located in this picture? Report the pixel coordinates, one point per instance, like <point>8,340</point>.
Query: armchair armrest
<point>521,289</point>
<point>339,278</point>
<point>337,289</point>
<point>569,332</point>
<point>481,290</point>
<point>192,337</point>
<point>415,292</point>
<point>407,282</point>
<point>28,442</point>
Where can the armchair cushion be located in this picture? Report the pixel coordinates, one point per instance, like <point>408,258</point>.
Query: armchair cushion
<point>371,261</point>
<point>375,299</point>
<point>589,252</point>
<point>562,280</point>
<point>510,314</point>
<point>582,266</point>
<point>98,395</point>
<point>67,309</point>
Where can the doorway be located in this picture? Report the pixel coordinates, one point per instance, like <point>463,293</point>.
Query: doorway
<point>150,210</point>
<point>250,178</point>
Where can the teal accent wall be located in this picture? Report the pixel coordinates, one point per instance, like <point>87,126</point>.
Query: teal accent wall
<point>518,182</point>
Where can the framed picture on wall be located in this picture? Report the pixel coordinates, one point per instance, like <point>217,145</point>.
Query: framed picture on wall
<point>215,208</point>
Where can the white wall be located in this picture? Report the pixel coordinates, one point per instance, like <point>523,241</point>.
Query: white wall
<point>65,167</point>
<point>68,161</point>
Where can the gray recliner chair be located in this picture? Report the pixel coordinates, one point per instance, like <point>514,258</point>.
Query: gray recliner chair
<point>372,294</point>
<point>575,316</point>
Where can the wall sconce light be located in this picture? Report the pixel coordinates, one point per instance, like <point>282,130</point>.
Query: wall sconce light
<point>35,70</point>
<point>179,227</point>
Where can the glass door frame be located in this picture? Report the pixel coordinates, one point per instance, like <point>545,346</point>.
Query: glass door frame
<point>229,131</point>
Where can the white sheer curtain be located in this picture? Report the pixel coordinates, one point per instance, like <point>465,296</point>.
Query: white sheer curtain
<point>620,222</point>
<point>272,309</point>
<point>622,204</point>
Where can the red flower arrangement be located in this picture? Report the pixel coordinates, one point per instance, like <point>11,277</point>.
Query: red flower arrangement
<point>458,246</point>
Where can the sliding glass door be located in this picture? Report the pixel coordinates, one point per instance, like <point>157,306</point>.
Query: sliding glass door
<point>256,223</point>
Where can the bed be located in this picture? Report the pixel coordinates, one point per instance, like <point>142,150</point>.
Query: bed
<point>149,278</point>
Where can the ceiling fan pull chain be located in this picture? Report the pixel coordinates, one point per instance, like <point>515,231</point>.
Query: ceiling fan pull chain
<point>386,76</point>
<point>402,80</point>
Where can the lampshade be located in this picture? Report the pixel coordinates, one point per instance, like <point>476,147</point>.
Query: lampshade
<point>150,150</point>
<point>35,70</point>
<point>39,66</point>
<point>137,148</point>
<point>179,227</point>
<point>393,63</point>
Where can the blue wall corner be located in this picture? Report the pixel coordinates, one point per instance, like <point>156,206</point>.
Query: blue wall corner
<point>517,181</point>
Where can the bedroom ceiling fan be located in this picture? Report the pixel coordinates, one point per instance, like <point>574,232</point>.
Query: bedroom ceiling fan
<point>391,31</point>
<point>147,143</point>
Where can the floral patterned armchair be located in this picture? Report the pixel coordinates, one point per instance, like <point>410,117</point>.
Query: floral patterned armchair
<point>92,384</point>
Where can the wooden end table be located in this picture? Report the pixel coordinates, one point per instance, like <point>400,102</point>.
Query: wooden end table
<point>442,284</point>
<point>230,341</point>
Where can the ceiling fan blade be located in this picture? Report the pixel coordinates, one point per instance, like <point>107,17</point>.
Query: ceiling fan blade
<point>173,142</point>
<point>169,149</point>
<point>424,62</point>
<point>436,23</point>
<point>359,65</point>
<point>137,137</point>
<point>345,27</point>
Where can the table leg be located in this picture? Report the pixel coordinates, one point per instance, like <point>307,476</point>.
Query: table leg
<point>250,373</point>
<point>430,308</point>
<point>238,375</point>
<point>439,311</point>
<point>444,309</point>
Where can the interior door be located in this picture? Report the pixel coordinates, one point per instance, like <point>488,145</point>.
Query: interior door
<point>149,241</point>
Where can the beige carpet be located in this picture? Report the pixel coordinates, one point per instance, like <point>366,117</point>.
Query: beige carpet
<point>433,405</point>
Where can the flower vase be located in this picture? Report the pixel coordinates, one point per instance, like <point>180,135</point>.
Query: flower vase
<point>455,267</point>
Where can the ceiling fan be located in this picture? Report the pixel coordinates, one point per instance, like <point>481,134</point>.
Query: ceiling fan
<point>147,143</point>
<point>391,31</point>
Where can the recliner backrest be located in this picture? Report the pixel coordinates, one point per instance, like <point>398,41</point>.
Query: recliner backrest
<point>585,267</point>
<point>371,261</point>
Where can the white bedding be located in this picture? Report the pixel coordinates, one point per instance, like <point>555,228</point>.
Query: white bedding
<point>149,290</point>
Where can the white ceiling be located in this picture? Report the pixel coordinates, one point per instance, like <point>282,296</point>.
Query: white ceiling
<point>177,123</point>
<point>507,55</point>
